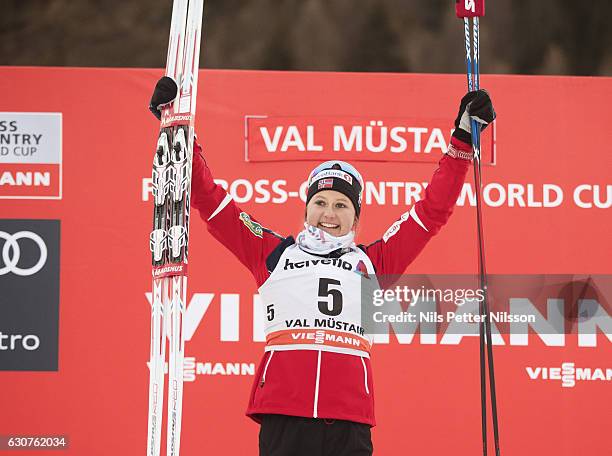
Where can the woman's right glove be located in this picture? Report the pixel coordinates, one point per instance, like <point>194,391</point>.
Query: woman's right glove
<point>165,92</point>
<point>475,105</point>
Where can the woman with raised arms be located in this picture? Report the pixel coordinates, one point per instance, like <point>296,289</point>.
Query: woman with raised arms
<point>313,392</point>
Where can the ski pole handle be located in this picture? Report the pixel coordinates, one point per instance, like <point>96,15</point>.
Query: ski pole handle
<point>470,8</point>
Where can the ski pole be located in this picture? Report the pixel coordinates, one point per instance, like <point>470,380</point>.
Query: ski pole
<point>474,9</point>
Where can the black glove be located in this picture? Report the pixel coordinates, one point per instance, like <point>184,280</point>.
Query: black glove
<point>478,106</point>
<point>164,93</point>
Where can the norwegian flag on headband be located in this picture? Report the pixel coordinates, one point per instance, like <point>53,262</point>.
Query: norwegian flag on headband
<point>326,183</point>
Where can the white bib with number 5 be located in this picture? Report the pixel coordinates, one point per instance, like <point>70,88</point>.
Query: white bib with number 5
<point>314,303</point>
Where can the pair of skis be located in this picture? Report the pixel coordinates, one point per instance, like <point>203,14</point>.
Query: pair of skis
<point>170,235</point>
<point>473,10</point>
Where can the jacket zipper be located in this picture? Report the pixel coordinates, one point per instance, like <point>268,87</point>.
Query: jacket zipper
<point>263,377</point>
<point>365,375</point>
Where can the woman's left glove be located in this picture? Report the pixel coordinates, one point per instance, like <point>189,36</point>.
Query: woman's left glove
<point>476,105</point>
<point>165,92</point>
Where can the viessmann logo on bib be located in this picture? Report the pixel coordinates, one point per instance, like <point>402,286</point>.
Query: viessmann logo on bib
<point>30,155</point>
<point>29,298</point>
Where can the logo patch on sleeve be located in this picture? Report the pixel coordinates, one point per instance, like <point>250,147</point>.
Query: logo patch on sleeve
<point>253,227</point>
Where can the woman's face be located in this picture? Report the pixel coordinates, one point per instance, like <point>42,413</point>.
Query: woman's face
<point>332,212</point>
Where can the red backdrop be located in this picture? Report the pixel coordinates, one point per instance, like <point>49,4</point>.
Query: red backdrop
<point>551,130</point>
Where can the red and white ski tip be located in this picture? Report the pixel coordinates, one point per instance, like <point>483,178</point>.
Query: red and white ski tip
<point>470,8</point>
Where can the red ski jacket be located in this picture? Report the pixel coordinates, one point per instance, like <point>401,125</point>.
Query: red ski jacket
<point>290,382</point>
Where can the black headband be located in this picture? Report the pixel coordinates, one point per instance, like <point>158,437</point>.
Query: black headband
<point>340,181</point>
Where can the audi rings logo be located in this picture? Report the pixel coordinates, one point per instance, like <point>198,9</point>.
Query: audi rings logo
<point>11,253</point>
<point>29,294</point>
